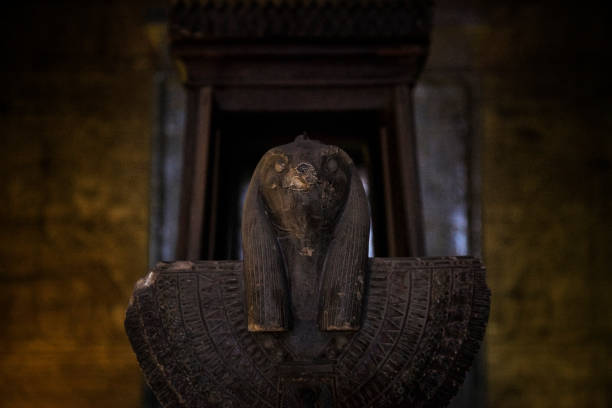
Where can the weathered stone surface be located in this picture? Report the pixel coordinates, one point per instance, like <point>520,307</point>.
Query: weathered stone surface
<point>74,173</point>
<point>425,318</point>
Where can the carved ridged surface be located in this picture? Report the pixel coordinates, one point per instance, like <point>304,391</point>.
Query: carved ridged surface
<point>346,263</point>
<point>263,267</point>
<point>301,19</point>
<point>424,321</point>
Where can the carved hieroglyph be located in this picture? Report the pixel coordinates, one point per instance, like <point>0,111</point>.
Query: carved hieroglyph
<point>307,319</point>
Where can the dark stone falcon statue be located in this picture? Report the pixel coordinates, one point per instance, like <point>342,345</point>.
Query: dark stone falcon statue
<point>306,319</point>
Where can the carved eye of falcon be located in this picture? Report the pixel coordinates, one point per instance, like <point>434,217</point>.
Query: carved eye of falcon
<point>280,166</point>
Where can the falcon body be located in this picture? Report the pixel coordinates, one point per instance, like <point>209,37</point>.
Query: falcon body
<point>423,322</point>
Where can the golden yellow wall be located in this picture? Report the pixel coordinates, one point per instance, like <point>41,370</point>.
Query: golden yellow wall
<point>75,115</point>
<point>547,198</point>
<point>539,76</point>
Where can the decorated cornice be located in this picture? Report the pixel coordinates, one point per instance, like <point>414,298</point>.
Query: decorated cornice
<point>301,21</point>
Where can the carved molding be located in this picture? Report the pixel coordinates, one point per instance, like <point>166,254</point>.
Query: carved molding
<point>405,21</point>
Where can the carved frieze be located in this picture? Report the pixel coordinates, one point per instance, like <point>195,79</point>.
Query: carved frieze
<point>308,20</point>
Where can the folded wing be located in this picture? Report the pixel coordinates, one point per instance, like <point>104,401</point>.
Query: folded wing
<point>424,322</point>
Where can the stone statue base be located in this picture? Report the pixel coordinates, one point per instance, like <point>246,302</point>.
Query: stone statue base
<point>423,322</point>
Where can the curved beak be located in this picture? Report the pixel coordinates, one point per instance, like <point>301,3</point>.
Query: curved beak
<point>301,177</point>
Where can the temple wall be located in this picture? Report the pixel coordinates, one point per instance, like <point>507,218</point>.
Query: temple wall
<point>539,77</point>
<point>75,113</point>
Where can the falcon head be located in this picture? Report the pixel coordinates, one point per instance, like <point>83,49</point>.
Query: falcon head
<point>304,186</point>
<point>310,193</point>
